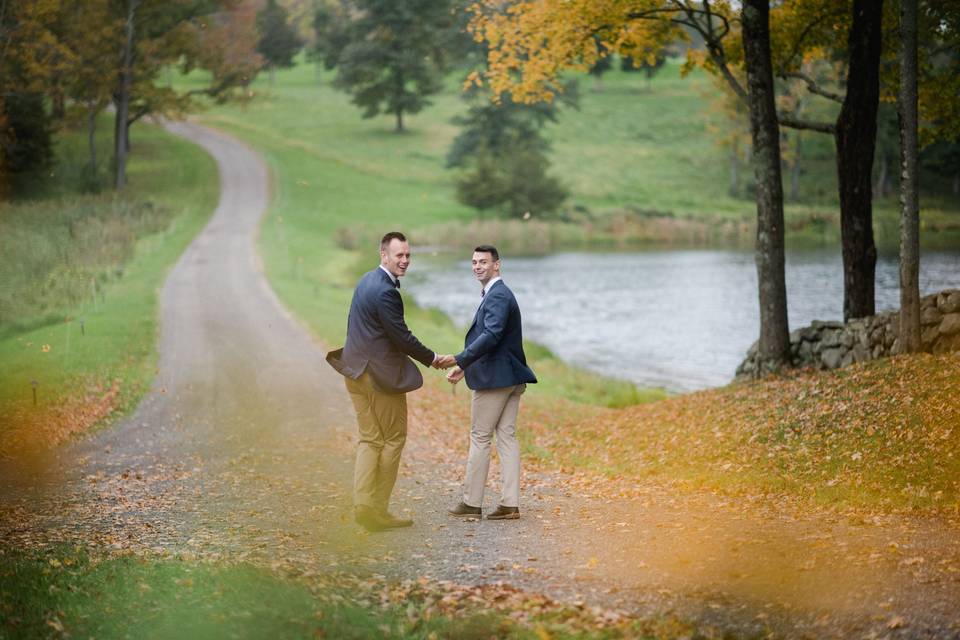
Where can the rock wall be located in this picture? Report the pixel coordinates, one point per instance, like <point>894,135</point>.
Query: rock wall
<point>829,345</point>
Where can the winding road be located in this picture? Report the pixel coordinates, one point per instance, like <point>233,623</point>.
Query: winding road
<point>243,448</point>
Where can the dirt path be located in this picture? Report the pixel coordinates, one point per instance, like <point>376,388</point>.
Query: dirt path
<point>244,449</point>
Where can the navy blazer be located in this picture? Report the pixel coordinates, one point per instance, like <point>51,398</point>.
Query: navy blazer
<point>378,340</point>
<point>493,356</point>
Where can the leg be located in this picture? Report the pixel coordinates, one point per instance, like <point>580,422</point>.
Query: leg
<point>485,411</point>
<point>391,413</point>
<point>509,449</point>
<point>371,442</point>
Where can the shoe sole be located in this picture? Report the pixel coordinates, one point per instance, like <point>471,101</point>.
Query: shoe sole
<point>465,515</point>
<point>512,516</point>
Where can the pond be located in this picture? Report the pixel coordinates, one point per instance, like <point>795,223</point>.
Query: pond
<point>678,319</point>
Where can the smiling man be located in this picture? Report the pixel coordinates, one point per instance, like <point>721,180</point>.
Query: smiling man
<point>496,370</point>
<point>375,362</point>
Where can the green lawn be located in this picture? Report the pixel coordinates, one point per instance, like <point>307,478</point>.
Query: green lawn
<point>78,343</point>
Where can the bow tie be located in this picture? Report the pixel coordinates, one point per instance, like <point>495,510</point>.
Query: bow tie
<point>396,283</point>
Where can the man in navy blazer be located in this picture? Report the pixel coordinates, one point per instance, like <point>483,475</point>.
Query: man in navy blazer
<point>375,362</point>
<point>495,368</point>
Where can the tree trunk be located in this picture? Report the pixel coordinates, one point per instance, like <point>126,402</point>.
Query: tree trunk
<point>909,183</point>
<point>795,168</point>
<point>92,139</point>
<point>856,138</point>
<point>122,102</point>
<point>774,347</point>
<point>273,76</point>
<point>956,183</point>
<point>734,169</point>
<point>880,190</point>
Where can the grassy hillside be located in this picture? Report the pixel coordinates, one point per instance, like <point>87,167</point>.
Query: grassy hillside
<point>78,310</point>
<point>631,146</point>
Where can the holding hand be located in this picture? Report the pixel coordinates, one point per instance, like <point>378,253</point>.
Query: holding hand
<point>444,362</point>
<point>455,375</point>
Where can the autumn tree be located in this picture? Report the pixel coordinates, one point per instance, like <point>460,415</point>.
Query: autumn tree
<point>603,64</point>
<point>278,43</point>
<point>31,55</point>
<point>649,65</point>
<point>158,34</point>
<point>90,37</point>
<point>390,56</point>
<point>533,41</point>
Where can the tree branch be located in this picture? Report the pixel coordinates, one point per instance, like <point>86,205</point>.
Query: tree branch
<point>788,120</point>
<point>812,85</point>
<point>803,34</point>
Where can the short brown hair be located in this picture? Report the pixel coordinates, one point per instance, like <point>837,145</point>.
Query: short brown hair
<point>488,248</point>
<point>392,235</point>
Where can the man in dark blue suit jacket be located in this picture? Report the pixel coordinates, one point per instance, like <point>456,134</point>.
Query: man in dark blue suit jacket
<point>376,365</point>
<point>496,370</point>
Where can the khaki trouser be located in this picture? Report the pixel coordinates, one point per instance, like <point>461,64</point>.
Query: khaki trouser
<point>494,411</point>
<point>382,419</point>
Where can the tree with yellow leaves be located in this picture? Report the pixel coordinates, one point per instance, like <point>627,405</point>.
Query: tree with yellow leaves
<point>533,41</point>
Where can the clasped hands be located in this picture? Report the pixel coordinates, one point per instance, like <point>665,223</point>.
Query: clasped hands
<point>455,374</point>
<point>443,362</point>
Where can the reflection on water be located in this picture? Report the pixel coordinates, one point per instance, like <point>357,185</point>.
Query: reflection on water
<point>682,320</point>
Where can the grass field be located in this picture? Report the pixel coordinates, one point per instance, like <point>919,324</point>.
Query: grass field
<point>86,342</point>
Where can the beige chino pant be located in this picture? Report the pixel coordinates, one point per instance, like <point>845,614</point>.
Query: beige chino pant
<point>494,411</point>
<point>382,419</point>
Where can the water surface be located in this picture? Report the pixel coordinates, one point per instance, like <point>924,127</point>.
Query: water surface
<point>678,319</point>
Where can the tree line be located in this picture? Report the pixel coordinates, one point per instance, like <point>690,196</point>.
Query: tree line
<point>65,62</point>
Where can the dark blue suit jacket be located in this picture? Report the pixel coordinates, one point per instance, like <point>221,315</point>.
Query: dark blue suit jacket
<point>378,340</point>
<point>493,357</point>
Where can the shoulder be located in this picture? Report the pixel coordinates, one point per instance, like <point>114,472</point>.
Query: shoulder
<point>500,291</point>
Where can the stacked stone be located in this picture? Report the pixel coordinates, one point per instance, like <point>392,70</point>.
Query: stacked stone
<point>830,345</point>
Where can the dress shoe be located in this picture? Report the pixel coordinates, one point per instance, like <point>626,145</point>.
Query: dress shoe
<point>368,518</point>
<point>463,510</point>
<point>504,513</point>
<point>390,521</point>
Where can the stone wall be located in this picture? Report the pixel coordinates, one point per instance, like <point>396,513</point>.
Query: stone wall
<point>829,345</point>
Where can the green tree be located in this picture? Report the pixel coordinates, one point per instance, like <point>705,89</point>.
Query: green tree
<point>515,181</point>
<point>389,54</point>
<point>279,42</point>
<point>503,152</point>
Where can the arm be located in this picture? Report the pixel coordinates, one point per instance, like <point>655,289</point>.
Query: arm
<point>496,311</point>
<point>390,312</point>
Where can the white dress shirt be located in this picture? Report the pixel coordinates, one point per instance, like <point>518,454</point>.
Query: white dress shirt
<point>393,278</point>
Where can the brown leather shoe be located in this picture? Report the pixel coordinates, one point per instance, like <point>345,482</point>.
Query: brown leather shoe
<point>504,513</point>
<point>368,518</point>
<point>463,510</point>
<point>390,521</point>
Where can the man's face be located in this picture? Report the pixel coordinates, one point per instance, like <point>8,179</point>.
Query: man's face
<point>396,257</point>
<point>484,267</point>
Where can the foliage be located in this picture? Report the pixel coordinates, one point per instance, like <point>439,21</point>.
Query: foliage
<point>27,141</point>
<point>278,43</point>
<point>389,55</point>
<point>500,127</point>
<point>517,181</point>
<point>30,56</point>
